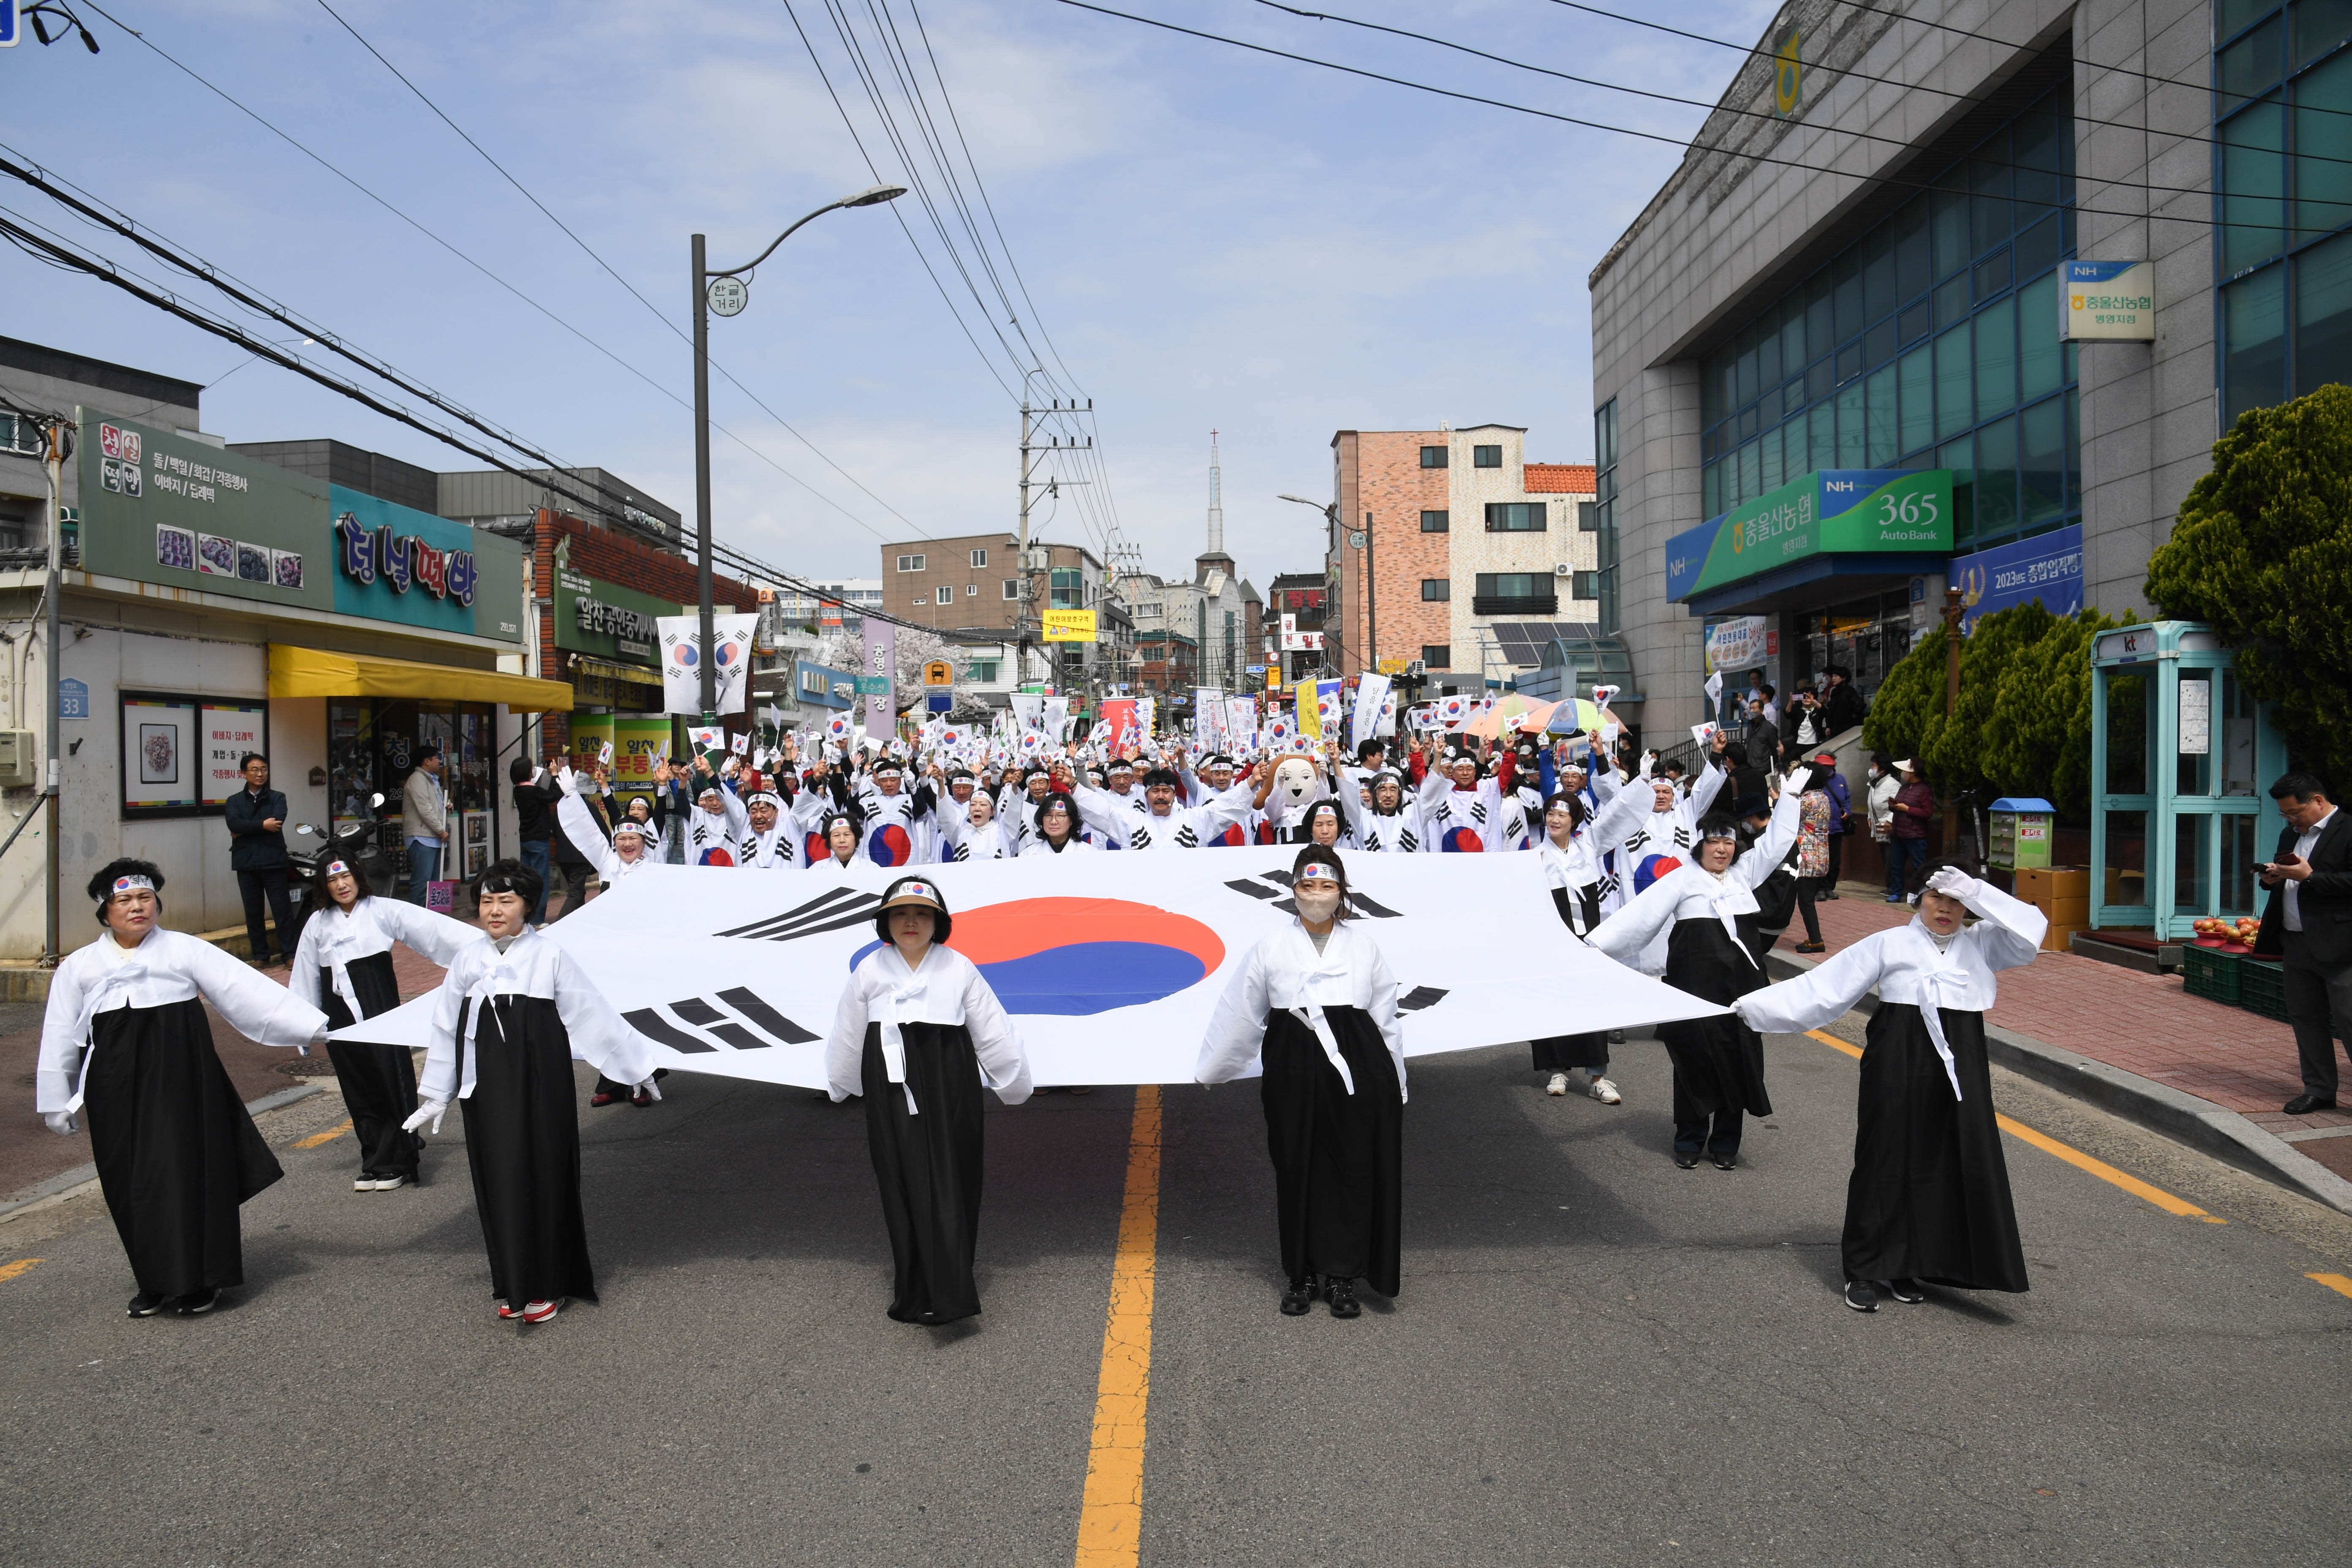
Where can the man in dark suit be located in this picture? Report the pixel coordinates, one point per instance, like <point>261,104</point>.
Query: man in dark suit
<point>257,853</point>
<point>2308,920</point>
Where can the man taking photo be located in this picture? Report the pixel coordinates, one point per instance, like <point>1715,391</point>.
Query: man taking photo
<point>423,822</point>
<point>2309,923</point>
<point>255,816</point>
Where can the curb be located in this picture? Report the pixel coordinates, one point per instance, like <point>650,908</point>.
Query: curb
<point>2199,1123</point>
<point>65,1181</point>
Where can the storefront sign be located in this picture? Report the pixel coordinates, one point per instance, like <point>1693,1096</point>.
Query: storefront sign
<point>2048,567</point>
<point>393,563</point>
<point>159,508</point>
<point>1833,512</point>
<point>1738,643</point>
<point>825,685</point>
<point>606,620</point>
<point>2106,301</point>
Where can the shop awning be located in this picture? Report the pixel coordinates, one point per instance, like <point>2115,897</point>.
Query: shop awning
<point>308,672</point>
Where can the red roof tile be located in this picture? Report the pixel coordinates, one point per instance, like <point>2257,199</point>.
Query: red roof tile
<point>1559,478</point>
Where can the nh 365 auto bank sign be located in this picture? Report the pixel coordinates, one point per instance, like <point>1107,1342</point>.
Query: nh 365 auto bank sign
<point>1833,512</point>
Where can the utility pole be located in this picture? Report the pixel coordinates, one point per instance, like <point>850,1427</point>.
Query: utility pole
<point>1952,707</point>
<point>1371,611</point>
<point>56,770</point>
<point>1029,447</point>
<point>702,484</point>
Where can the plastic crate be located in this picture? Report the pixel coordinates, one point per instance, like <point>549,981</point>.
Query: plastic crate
<point>2211,974</point>
<point>2261,987</point>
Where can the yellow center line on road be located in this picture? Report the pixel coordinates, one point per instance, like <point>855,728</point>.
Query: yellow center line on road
<point>1110,1519</point>
<point>2336,1282</point>
<point>2072,1156</point>
<point>329,1136</point>
<point>16,1266</point>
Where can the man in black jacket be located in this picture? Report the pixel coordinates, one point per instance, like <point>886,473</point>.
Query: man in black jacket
<point>535,794</point>
<point>255,816</point>
<point>2308,920</point>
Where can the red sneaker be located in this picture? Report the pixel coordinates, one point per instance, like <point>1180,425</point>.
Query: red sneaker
<point>540,1311</point>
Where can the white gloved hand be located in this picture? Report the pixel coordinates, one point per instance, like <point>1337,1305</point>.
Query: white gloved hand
<point>651,1087</point>
<point>1952,882</point>
<point>61,1122</point>
<point>432,1111</point>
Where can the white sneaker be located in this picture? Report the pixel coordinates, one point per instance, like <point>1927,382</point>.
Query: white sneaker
<point>385,1183</point>
<point>1604,1091</point>
<point>364,1184</point>
<point>1558,1084</point>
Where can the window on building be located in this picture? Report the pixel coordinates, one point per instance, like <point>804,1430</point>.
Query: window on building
<point>1584,584</point>
<point>1437,655</point>
<point>911,564</point>
<point>1513,584</point>
<point>978,559</point>
<point>1604,540</point>
<point>1588,516</point>
<point>982,671</point>
<point>1436,522</point>
<point>1934,334</point>
<point>1432,456</point>
<point>972,590</point>
<point>1069,588</point>
<point>946,596</point>
<point>1012,587</point>
<point>1515,517</point>
<point>1486,457</point>
<point>1436,590</point>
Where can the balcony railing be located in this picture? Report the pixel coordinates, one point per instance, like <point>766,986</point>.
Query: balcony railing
<point>1515,605</point>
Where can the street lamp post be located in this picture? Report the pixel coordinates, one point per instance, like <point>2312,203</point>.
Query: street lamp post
<point>734,297</point>
<point>1361,540</point>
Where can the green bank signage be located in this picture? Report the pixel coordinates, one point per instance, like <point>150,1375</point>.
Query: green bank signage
<point>1830,512</point>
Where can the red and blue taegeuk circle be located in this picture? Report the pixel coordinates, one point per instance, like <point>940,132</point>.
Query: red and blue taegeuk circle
<point>1651,868</point>
<point>889,845</point>
<point>1077,957</point>
<point>1460,841</point>
<point>684,653</point>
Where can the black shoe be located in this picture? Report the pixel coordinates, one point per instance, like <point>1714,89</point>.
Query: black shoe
<point>1860,1296</point>
<point>1688,1161</point>
<point>1724,1162</point>
<point>201,1301</point>
<point>1343,1299</point>
<point>1906,1291</point>
<point>2305,1104</point>
<point>1300,1295</point>
<point>143,1305</point>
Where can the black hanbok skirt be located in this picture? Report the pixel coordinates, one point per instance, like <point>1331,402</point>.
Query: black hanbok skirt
<point>1339,1158</point>
<point>1718,1062</point>
<point>175,1149</point>
<point>927,1165</point>
<point>522,1140</point>
<point>1559,1053</point>
<point>378,1082</point>
<point>1930,1194</point>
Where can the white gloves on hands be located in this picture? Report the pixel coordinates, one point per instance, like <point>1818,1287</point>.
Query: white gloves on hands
<point>61,1122</point>
<point>1954,883</point>
<point>432,1111</point>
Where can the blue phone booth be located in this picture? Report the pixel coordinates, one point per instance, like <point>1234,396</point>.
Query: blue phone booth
<point>2181,757</point>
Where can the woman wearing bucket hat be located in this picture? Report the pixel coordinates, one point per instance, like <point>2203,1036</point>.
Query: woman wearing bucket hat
<point>916,1033</point>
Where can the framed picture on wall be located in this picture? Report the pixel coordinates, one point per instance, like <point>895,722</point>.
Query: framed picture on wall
<point>180,752</point>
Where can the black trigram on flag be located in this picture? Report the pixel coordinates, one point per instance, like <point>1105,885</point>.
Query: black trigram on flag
<point>736,1027</point>
<point>836,909</point>
<point>1357,899</point>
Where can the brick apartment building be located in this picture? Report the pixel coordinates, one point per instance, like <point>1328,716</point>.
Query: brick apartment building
<point>1469,543</point>
<point>972,583</point>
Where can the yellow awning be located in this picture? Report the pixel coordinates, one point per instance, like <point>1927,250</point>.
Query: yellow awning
<point>308,672</point>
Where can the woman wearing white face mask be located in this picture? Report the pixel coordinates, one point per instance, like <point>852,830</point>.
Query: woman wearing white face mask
<point>1313,1009</point>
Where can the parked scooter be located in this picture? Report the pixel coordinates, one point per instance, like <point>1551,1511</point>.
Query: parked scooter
<point>357,843</point>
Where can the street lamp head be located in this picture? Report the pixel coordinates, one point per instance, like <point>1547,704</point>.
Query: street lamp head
<point>1302,500</point>
<point>873,195</point>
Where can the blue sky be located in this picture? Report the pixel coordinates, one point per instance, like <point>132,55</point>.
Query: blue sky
<point>1211,238</point>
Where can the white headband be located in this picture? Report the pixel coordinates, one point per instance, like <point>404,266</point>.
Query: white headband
<point>131,885</point>
<point>1315,869</point>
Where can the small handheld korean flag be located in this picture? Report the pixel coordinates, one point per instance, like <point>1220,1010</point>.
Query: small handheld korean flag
<point>741,745</point>
<point>604,753</point>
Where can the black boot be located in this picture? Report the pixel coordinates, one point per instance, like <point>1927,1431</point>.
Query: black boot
<point>1343,1299</point>
<point>1299,1295</point>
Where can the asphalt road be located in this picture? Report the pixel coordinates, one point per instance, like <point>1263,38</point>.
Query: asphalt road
<point>1596,1356</point>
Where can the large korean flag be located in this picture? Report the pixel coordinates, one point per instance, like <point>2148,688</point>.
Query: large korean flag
<point>1110,967</point>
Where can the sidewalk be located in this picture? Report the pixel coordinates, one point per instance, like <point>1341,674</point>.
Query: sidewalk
<point>2150,1037</point>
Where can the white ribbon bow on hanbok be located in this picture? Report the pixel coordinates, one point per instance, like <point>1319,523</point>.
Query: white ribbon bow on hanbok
<point>339,970</point>
<point>121,978</point>
<point>1948,976</point>
<point>1311,1014</point>
<point>893,1042</point>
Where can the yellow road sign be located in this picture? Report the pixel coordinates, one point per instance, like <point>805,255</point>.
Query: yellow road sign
<point>1069,626</point>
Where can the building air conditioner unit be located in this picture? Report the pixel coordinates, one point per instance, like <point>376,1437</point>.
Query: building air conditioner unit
<point>1563,569</point>
<point>1416,669</point>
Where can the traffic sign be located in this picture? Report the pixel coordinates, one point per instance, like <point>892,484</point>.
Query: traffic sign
<point>729,295</point>
<point>1069,626</point>
<point>10,27</point>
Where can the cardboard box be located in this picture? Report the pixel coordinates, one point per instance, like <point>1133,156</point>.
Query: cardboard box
<point>2061,938</point>
<point>2066,911</point>
<point>2039,884</point>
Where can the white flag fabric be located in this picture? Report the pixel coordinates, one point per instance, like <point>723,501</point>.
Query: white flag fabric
<point>1111,965</point>
<point>1241,723</point>
<point>1209,717</point>
<point>682,656</point>
<point>1371,700</point>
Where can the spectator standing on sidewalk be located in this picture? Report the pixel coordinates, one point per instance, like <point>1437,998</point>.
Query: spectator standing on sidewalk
<point>1805,727</point>
<point>1842,705</point>
<point>1814,837</point>
<point>2309,921</point>
<point>1840,821</point>
<point>1913,807</point>
<point>535,794</point>
<point>1880,796</point>
<point>255,816</point>
<point>424,821</point>
<point>577,860</point>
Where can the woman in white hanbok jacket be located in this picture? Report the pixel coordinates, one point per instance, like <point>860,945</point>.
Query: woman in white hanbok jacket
<point>1313,1011</point>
